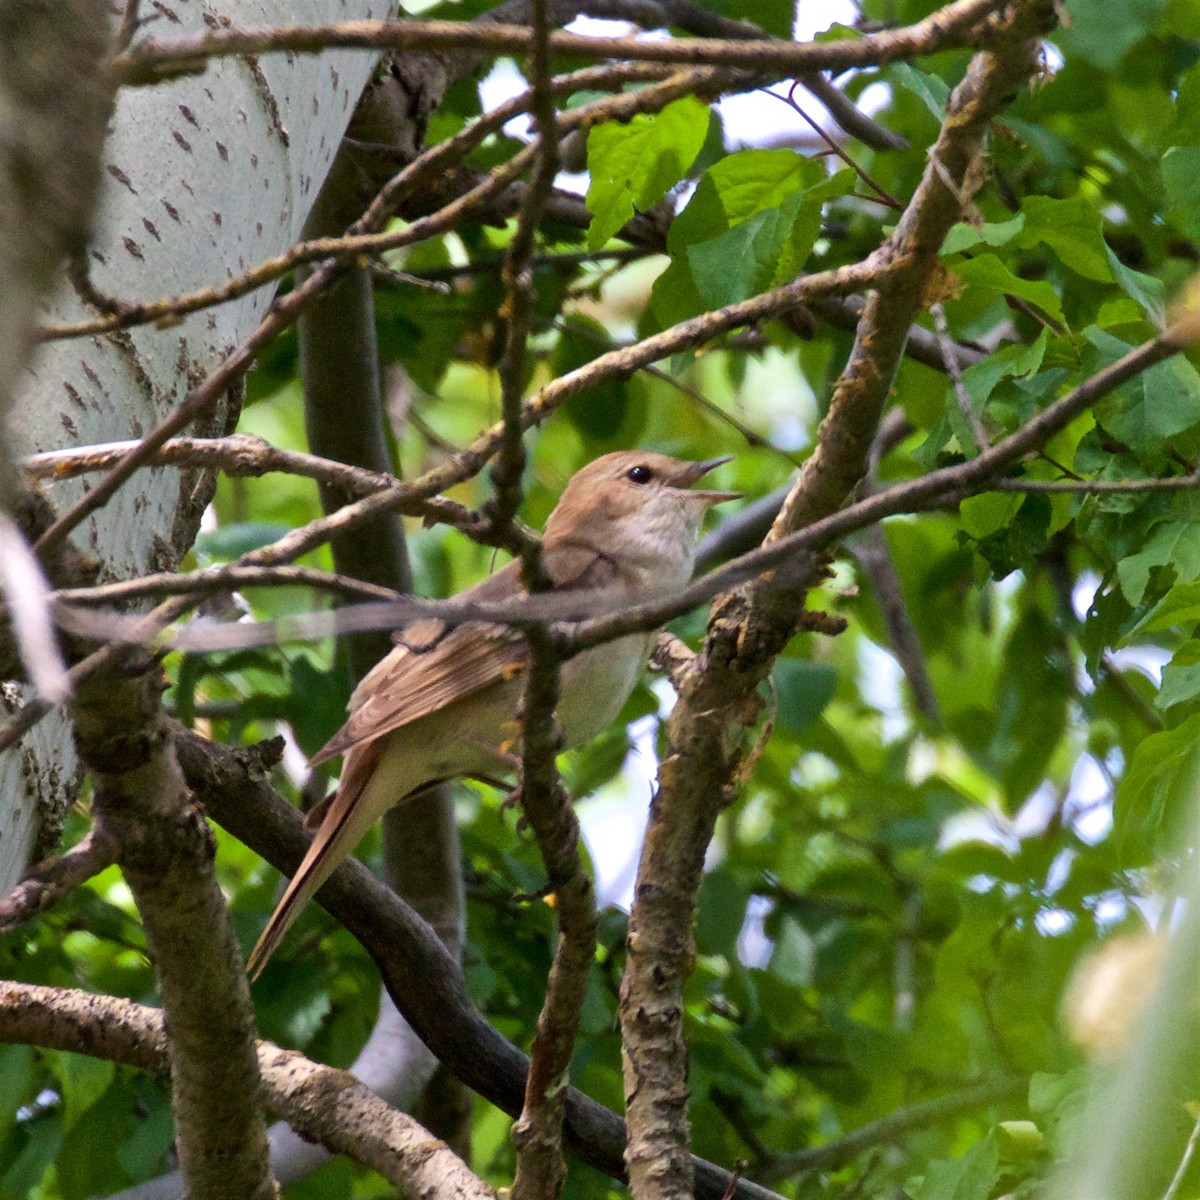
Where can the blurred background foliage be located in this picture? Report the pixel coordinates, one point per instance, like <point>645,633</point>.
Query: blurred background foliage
<point>898,904</point>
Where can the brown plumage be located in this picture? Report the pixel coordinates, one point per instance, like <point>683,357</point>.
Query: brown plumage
<point>442,704</point>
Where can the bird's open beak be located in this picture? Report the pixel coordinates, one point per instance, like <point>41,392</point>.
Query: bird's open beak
<point>697,470</point>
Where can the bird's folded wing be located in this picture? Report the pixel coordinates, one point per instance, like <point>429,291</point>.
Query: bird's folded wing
<point>408,685</point>
<point>433,665</point>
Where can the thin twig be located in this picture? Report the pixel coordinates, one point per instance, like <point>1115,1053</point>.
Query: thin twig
<point>954,25</point>
<point>225,579</point>
<point>538,1132</point>
<point>881,193</point>
<point>938,489</point>
<point>962,397</point>
<point>889,1129</point>
<point>244,454</point>
<point>517,277</point>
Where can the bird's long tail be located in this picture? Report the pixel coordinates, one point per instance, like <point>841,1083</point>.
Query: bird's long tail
<point>345,821</point>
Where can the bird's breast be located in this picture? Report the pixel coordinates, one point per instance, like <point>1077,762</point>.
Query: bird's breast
<point>596,684</point>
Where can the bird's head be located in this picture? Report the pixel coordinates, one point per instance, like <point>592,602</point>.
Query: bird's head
<point>639,505</point>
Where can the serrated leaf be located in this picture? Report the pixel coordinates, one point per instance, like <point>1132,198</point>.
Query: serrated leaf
<point>633,165</point>
<point>750,257</point>
<point>1175,544</point>
<point>1071,228</point>
<point>987,272</point>
<point>737,187</point>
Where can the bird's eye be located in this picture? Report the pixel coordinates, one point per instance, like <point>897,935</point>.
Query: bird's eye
<point>639,474</point>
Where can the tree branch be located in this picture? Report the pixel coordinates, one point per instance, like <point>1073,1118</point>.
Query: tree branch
<point>425,982</point>
<point>47,882</point>
<point>718,702</point>
<point>322,1104</point>
<point>165,850</point>
<point>153,59</point>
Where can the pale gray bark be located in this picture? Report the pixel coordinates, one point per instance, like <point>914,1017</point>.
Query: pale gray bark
<point>203,176</point>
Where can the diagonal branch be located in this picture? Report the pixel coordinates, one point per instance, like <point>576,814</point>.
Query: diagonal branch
<point>323,1104</point>
<point>425,982</point>
<point>718,699</point>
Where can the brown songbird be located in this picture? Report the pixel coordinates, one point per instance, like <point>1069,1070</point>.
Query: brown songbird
<point>443,704</point>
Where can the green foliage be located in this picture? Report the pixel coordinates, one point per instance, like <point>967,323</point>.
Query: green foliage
<point>632,165</point>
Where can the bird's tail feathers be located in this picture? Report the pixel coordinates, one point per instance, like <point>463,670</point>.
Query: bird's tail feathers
<point>346,820</point>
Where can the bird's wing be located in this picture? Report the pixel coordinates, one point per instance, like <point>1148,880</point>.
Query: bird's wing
<point>433,665</point>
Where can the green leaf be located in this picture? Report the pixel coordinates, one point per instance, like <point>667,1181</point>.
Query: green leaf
<point>1147,290</point>
<point>43,1138</point>
<point>988,512</point>
<point>989,274</point>
<point>721,912</point>
<point>970,1177</point>
<point>756,253</point>
<point>1179,607</point>
<point>1175,544</point>
<point>963,235</point>
<point>142,1153</point>
<point>1020,1141</point>
<point>1102,35</point>
<point>232,541</point>
<point>1180,677</point>
<point>1169,404</point>
<point>84,1080</point>
<point>16,1069</point>
<point>1180,169</point>
<point>1158,775</point>
<point>604,411</point>
<point>633,165</point>
<point>737,187</point>
<point>931,90</point>
<point>804,689</point>
<point>1071,228</point>
<point>1184,130</point>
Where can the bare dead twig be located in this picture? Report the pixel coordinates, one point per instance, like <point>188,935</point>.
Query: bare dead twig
<point>47,882</point>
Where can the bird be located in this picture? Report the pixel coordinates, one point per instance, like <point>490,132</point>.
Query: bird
<point>443,703</point>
